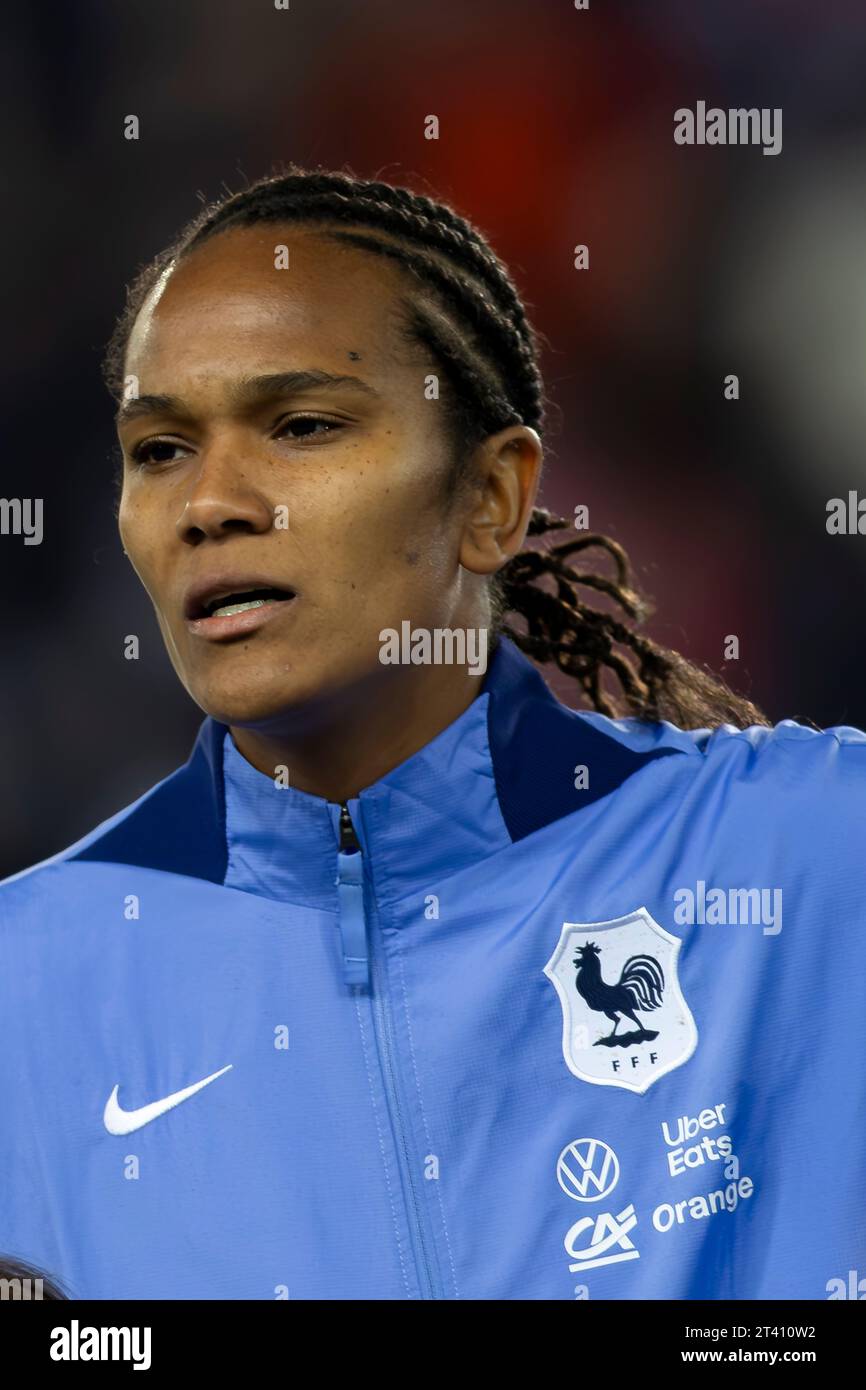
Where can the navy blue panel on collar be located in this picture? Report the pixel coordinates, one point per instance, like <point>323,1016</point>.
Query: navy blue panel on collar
<point>536,742</point>
<point>179,826</point>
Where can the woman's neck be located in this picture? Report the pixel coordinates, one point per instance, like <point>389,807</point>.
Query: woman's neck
<point>347,741</point>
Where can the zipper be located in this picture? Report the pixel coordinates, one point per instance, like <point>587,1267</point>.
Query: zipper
<point>350,891</point>
<point>363,966</point>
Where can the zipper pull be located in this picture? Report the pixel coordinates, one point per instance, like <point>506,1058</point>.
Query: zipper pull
<point>350,891</point>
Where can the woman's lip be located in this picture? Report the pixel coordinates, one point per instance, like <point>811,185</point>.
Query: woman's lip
<point>236,624</point>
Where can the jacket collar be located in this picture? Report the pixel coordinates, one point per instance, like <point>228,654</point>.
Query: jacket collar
<point>502,770</point>
<point>433,815</point>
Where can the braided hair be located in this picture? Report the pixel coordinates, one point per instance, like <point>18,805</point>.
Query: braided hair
<point>470,317</point>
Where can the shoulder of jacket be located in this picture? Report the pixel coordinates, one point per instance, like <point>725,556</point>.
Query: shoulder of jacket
<point>788,742</point>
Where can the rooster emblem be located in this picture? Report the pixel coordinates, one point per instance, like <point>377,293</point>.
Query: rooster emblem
<point>624,970</point>
<point>640,987</point>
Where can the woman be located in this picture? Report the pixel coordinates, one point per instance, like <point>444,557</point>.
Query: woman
<point>413,982</point>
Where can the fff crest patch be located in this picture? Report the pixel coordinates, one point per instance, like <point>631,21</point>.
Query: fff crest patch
<point>624,1019</point>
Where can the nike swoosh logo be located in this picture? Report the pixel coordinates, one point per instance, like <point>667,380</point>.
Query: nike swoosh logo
<point>119,1121</point>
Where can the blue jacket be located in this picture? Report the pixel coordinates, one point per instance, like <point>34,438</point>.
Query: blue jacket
<point>562,1007</point>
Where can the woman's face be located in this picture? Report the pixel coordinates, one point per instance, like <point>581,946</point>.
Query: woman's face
<point>240,474</point>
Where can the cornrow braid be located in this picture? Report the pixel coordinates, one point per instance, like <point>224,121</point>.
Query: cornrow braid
<point>470,317</point>
<point>396,210</point>
<point>476,309</point>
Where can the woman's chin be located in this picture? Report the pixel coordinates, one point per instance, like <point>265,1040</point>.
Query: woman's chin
<point>262,704</point>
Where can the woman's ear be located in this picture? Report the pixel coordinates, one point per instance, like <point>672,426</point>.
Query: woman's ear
<point>506,470</point>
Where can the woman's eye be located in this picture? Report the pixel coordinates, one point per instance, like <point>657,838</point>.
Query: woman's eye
<point>152,453</point>
<point>304,427</point>
<point>155,451</point>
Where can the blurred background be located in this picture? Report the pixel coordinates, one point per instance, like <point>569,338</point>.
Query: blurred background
<point>556,128</point>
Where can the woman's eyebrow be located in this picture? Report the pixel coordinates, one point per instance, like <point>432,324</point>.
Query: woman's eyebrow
<point>248,393</point>
<point>258,389</point>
